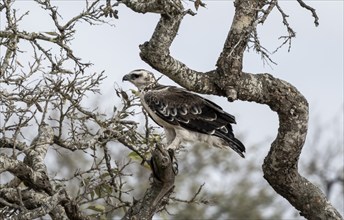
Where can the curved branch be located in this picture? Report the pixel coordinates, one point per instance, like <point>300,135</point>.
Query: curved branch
<point>156,52</point>
<point>281,164</point>
<point>44,198</point>
<point>34,179</point>
<point>33,204</point>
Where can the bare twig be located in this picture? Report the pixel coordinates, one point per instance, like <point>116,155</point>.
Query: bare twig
<point>193,199</point>
<point>291,32</point>
<point>312,10</point>
<point>267,11</point>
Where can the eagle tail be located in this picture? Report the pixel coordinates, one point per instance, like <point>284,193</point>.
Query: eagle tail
<point>236,145</point>
<point>229,140</point>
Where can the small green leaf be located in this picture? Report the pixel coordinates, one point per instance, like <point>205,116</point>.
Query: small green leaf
<point>97,208</point>
<point>115,170</point>
<point>107,188</point>
<point>104,175</point>
<point>155,138</point>
<point>134,156</point>
<point>135,92</point>
<point>52,33</point>
<point>98,192</point>
<point>146,165</point>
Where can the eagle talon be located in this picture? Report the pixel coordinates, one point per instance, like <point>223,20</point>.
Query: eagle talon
<point>175,168</point>
<point>173,161</point>
<point>171,153</point>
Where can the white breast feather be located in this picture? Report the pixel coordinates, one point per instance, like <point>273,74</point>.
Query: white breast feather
<point>181,135</point>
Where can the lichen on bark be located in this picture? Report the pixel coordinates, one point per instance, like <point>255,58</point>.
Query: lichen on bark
<point>281,164</point>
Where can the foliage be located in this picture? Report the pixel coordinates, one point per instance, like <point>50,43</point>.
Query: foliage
<point>46,87</point>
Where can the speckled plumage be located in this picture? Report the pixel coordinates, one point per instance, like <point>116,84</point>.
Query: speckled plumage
<point>185,116</point>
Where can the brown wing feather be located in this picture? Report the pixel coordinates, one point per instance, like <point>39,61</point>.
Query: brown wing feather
<point>193,112</point>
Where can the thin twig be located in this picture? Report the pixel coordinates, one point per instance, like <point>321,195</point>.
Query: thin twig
<point>314,14</point>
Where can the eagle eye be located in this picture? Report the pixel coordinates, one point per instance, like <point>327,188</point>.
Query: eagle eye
<point>135,76</point>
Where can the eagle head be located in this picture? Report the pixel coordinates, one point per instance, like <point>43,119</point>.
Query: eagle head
<point>140,78</point>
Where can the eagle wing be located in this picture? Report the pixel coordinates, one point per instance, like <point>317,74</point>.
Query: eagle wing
<point>177,106</point>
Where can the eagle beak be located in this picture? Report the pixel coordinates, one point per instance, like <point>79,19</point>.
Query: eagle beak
<point>126,77</point>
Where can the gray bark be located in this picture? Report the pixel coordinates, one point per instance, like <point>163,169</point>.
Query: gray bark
<point>40,198</point>
<point>281,164</point>
<point>32,193</point>
<point>162,186</point>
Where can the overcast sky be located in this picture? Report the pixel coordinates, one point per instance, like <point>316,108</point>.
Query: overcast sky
<point>314,65</point>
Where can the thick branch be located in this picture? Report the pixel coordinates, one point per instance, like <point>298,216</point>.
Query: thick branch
<point>7,143</point>
<point>144,6</point>
<point>36,180</point>
<point>39,146</point>
<point>280,165</point>
<point>244,22</point>
<point>33,173</point>
<point>162,186</point>
<point>34,204</point>
<point>157,54</point>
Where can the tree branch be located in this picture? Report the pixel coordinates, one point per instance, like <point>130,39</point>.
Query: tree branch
<point>30,177</point>
<point>280,165</point>
<point>32,204</point>
<point>312,10</point>
<point>33,173</point>
<point>162,186</point>
<point>156,52</point>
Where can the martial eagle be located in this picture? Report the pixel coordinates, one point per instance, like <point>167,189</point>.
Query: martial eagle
<point>185,116</point>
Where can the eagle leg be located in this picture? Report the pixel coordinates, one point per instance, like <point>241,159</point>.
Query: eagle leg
<point>174,145</point>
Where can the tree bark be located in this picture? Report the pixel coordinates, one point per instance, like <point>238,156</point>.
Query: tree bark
<point>41,198</point>
<point>162,186</point>
<point>281,164</point>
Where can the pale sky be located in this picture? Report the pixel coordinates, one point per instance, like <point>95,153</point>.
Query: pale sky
<point>314,65</point>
